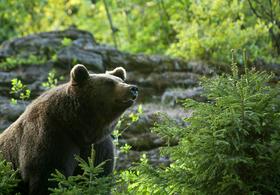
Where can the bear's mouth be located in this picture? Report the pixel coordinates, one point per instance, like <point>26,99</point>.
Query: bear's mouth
<point>128,100</point>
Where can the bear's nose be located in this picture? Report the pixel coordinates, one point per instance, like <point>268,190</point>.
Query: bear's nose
<point>134,91</point>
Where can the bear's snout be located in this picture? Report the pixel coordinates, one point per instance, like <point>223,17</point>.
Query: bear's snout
<point>134,91</point>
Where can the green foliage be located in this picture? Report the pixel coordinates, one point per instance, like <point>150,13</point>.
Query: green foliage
<point>15,17</point>
<point>66,42</point>
<point>125,148</point>
<point>269,12</point>
<point>135,116</point>
<point>87,183</point>
<point>52,80</point>
<point>8,177</point>
<point>212,28</point>
<point>143,26</point>
<point>123,124</point>
<point>204,29</point>
<point>16,61</point>
<point>233,143</point>
<point>143,179</point>
<point>230,147</point>
<point>19,91</point>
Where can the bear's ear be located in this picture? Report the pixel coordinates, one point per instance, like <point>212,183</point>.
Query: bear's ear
<point>118,72</point>
<point>79,74</point>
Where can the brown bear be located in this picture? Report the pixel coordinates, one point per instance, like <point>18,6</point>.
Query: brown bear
<point>64,122</point>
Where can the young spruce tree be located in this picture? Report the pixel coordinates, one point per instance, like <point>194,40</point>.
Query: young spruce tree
<point>232,145</point>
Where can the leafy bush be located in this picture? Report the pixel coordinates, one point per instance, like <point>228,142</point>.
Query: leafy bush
<point>53,80</point>
<point>19,91</point>
<point>230,147</point>
<point>8,177</point>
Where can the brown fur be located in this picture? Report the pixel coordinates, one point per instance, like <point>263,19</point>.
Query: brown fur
<point>62,121</point>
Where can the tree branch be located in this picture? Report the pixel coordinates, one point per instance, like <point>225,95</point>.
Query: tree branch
<point>113,29</point>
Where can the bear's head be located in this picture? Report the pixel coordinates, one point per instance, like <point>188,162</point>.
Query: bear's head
<point>104,96</point>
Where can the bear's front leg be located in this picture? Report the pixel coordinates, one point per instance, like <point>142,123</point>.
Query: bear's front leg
<point>38,185</point>
<point>35,178</point>
<point>105,151</point>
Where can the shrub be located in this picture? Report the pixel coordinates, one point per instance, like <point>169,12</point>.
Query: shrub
<point>232,145</point>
